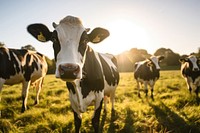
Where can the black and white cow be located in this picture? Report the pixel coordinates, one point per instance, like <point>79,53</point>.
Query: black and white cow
<point>22,66</point>
<point>147,72</point>
<point>89,75</point>
<point>190,70</point>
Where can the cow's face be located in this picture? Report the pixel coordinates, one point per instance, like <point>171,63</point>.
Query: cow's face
<point>70,40</point>
<point>192,61</point>
<point>154,60</point>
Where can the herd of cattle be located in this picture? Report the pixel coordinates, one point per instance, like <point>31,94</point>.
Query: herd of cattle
<point>90,76</point>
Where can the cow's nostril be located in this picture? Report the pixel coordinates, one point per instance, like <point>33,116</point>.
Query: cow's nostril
<point>196,69</point>
<point>69,71</point>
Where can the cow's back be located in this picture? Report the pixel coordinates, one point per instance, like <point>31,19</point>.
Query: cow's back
<point>21,65</point>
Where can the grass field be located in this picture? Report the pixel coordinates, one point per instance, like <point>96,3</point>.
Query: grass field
<point>174,110</point>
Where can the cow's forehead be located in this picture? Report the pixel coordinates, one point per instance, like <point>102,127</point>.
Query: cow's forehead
<point>69,20</point>
<point>154,59</point>
<point>70,27</point>
<point>192,58</point>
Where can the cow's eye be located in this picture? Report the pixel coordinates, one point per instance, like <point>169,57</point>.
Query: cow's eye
<point>54,39</point>
<point>85,41</point>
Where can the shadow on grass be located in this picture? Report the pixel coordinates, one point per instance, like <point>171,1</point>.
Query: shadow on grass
<point>114,126</point>
<point>171,121</point>
<point>129,121</point>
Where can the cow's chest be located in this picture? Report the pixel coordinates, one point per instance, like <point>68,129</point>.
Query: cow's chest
<point>80,103</point>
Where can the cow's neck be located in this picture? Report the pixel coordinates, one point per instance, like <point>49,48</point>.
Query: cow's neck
<point>82,91</point>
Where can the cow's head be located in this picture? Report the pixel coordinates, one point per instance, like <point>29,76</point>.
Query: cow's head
<point>192,61</point>
<point>154,61</point>
<point>70,40</point>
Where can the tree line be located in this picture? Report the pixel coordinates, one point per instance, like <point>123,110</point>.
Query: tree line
<point>127,59</point>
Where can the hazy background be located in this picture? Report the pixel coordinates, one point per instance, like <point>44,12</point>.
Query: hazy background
<point>146,24</point>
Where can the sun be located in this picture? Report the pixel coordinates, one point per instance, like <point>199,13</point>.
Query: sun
<point>124,35</point>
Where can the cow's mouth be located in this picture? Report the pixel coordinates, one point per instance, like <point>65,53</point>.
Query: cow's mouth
<point>69,71</point>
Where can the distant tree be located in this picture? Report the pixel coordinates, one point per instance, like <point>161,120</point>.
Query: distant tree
<point>171,58</point>
<point>51,66</point>
<point>28,47</point>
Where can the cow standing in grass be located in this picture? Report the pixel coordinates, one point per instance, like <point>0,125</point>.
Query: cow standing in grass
<point>147,72</point>
<point>22,66</point>
<point>88,74</point>
<point>190,70</point>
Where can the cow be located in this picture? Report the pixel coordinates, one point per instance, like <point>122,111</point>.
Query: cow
<point>147,72</point>
<point>89,75</point>
<point>190,70</point>
<point>22,66</point>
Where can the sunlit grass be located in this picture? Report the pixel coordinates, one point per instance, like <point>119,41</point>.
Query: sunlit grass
<point>173,110</point>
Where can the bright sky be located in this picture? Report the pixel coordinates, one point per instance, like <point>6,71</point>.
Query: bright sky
<point>143,24</point>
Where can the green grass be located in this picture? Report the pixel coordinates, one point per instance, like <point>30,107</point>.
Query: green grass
<point>173,110</point>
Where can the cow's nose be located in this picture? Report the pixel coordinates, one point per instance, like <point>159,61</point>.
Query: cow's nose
<point>196,69</point>
<point>69,71</point>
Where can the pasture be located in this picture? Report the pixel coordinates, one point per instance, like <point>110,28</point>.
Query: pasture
<point>174,110</point>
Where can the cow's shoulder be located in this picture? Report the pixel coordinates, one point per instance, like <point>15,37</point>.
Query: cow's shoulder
<point>92,79</point>
<point>109,66</point>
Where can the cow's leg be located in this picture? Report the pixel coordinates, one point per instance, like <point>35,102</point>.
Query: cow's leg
<point>152,92</point>
<point>146,88</point>
<point>2,81</point>
<point>38,89</point>
<point>112,99</point>
<point>77,121</point>
<point>96,117</point>
<point>197,91</point>
<point>25,89</point>
<point>152,83</point>
<point>1,86</point>
<point>105,103</point>
<point>138,86</point>
<point>188,85</point>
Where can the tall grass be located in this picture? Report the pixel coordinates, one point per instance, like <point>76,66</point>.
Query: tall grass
<point>173,110</point>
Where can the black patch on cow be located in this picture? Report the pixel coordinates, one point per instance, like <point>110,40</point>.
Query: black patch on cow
<point>146,72</point>
<point>92,74</point>
<point>187,72</point>
<point>56,44</point>
<point>70,87</point>
<point>83,43</point>
<point>111,75</point>
<point>7,64</point>
<point>29,67</point>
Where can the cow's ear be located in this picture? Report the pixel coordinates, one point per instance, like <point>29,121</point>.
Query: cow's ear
<point>40,32</point>
<point>182,60</point>
<point>160,58</point>
<point>136,64</point>
<point>98,35</point>
<point>149,63</point>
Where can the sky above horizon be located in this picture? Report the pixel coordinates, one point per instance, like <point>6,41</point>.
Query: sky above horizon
<point>142,24</point>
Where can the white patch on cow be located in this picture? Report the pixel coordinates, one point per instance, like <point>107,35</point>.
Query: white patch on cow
<point>193,84</point>
<point>139,64</point>
<point>107,58</point>
<point>193,60</point>
<point>69,33</point>
<point>155,60</point>
<point>80,104</point>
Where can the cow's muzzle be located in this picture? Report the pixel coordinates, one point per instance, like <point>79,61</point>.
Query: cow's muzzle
<point>69,71</point>
<point>196,69</point>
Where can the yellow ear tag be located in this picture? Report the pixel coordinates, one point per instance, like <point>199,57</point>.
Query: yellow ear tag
<point>96,39</point>
<point>41,37</point>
